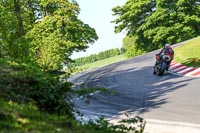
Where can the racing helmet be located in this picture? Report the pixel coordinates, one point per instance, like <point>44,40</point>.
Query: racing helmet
<point>167,45</point>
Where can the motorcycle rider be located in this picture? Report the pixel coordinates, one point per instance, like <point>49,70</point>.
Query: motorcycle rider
<point>167,50</point>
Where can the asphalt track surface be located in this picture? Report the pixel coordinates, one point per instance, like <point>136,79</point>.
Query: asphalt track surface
<point>134,90</point>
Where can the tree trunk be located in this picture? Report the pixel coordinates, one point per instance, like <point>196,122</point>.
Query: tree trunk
<point>19,18</point>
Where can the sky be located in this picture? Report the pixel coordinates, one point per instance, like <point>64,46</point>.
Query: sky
<point>98,14</point>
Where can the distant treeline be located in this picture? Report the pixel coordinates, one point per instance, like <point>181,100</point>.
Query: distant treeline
<point>96,57</point>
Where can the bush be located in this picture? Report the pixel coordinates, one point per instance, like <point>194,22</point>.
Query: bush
<point>27,82</point>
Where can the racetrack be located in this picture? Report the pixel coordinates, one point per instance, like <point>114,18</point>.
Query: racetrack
<point>136,91</point>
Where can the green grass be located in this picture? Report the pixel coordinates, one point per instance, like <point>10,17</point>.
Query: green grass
<point>21,118</point>
<point>189,54</point>
<point>101,63</point>
<point>26,118</point>
<point>18,118</point>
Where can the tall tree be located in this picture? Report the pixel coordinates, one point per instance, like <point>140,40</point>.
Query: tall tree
<point>59,33</point>
<point>16,18</point>
<point>155,22</point>
<point>19,18</point>
<point>45,31</point>
<point>8,28</point>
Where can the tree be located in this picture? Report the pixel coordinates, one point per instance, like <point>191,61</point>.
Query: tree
<point>130,47</point>
<point>155,22</point>
<point>58,34</point>
<point>122,50</point>
<point>44,31</point>
<point>14,23</point>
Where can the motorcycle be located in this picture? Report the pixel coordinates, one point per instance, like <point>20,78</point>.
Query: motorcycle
<point>161,64</point>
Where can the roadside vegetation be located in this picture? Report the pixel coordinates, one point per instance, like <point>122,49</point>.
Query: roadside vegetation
<point>24,118</point>
<point>189,54</point>
<point>33,101</point>
<point>99,63</point>
<point>37,38</point>
<point>96,57</point>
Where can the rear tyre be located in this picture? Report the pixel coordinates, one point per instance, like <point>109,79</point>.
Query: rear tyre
<point>154,72</point>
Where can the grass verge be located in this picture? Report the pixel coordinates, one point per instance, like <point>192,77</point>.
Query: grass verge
<point>189,54</point>
<point>23,118</point>
<point>100,63</point>
<point>18,118</point>
<point>26,118</point>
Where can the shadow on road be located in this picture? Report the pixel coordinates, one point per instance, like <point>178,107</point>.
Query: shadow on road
<point>136,89</point>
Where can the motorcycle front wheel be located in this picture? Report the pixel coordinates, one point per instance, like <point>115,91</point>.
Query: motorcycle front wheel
<point>162,69</point>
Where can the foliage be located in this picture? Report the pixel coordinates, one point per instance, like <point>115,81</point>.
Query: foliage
<point>99,63</point>
<point>33,100</point>
<point>27,83</point>
<point>44,31</point>
<point>23,118</point>
<point>15,21</point>
<point>133,125</point>
<point>58,34</point>
<point>189,54</point>
<point>130,48</point>
<point>154,23</point>
<point>86,91</point>
<point>95,57</point>
<point>37,37</point>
